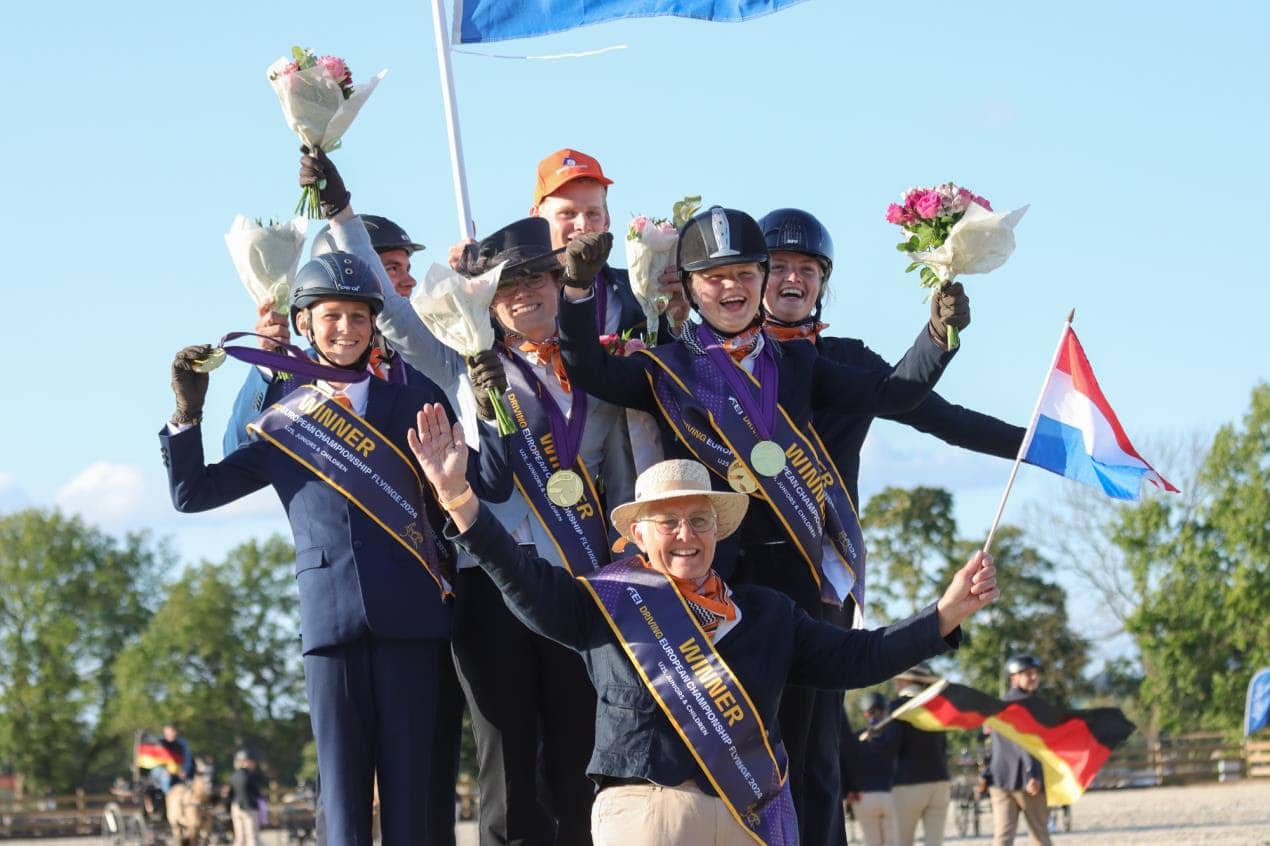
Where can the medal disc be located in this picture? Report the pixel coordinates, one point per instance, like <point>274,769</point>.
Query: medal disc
<point>564,488</point>
<point>740,478</point>
<point>767,458</point>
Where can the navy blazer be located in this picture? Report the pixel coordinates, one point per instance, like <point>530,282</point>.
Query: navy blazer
<point>773,644</point>
<point>921,756</point>
<point>868,765</point>
<point>354,579</point>
<point>1011,766</point>
<point>844,434</point>
<point>809,383</point>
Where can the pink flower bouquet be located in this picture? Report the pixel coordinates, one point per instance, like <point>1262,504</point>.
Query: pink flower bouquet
<point>952,231</point>
<point>650,248</point>
<point>319,102</point>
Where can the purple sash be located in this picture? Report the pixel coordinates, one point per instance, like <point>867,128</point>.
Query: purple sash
<point>705,703</point>
<point>353,457</point>
<point>807,495</point>
<point>543,443</point>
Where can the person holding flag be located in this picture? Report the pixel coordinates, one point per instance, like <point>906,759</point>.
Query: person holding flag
<point>1017,780</point>
<point>921,788</point>
<point>728,397</point>
<point>374,601</point>
<point>802,256</point>
<point>689,671</point>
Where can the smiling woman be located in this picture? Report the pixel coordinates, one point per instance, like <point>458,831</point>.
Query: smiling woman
<point>689,670</point>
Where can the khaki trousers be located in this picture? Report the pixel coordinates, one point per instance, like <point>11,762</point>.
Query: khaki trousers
<point>927,802</point>
<point>1006,805</point>
<point>246,826</point>
<point>653,815</point>
<point>875,812</point>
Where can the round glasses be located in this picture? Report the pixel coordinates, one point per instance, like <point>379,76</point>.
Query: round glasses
<point>507,288</point>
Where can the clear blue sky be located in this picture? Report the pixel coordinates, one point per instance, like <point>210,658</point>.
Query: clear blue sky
<point>1137,132</point>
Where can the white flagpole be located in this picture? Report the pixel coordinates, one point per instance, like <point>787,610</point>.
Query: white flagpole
<point>466,227</point>
<point>1027,436</point>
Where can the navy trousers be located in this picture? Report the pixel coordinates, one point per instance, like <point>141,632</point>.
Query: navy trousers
<point>533,714</point>
<point>373,706</point>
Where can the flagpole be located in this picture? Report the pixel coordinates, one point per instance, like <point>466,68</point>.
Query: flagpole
<point>1027,436</point>
<point>911,705</point>
<point>466,227</point>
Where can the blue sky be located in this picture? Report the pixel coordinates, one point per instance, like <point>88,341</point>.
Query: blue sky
<point>1137,132</point>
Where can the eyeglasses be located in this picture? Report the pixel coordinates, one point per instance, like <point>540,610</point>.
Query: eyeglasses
<point>509,287</point>
<point>699,523</point>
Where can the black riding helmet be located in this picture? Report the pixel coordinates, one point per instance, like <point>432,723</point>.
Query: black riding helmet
<point>1021,662</point>
<point>797,231</point>
<point>874,702</point>
<point>384,235</point>
<point>336,276</point>
<point>718,237</point>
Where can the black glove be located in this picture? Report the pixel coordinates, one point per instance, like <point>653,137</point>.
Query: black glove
<point>585,257</point>
<point>317,169</point>
<point>189,386</point>
<point>949,306</point>
<point>486,371</point>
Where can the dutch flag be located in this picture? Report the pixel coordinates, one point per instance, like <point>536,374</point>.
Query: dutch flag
<point>1077,435</point>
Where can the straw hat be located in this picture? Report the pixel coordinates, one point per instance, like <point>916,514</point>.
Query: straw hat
<point>681,477</point>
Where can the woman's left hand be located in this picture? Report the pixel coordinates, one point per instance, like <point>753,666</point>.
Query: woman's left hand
<point>440,451</point>
<point>974,586</point>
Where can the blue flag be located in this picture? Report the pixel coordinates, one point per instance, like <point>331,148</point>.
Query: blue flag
<point>479,21</point>
<point>1257,708</point>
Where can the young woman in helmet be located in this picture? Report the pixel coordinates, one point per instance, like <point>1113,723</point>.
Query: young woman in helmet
<point>801,252</point>
<point>370,561</point>
<point>726,396</point>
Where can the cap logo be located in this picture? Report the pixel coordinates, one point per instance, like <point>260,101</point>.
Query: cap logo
<point>570,161</point>
<point>722,234</point>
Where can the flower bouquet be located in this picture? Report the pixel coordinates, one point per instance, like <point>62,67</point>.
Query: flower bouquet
<point>650,247</point>
<point>455,309</point>
<point>319,102</point>
<point>952,231</point>
<point>266,255</point>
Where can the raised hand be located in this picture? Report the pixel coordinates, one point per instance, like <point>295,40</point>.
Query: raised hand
<point>585,257</point>
<point>440,450</point>
<point>317,170</point>
<point>973,587</point>
<point>189,386</point>
<point>272,326</point>
<point>486,371</point>
<point>949,306</point>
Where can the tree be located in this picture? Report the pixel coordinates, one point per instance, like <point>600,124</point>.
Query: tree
<point>1031,616</point>
<point>1203,575</point>
<point>910,534</point>
<point>73,598</point>
<point>221,660</point>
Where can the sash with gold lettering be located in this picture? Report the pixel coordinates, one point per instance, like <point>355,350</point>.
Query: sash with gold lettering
<point>807,495</point>
<point>342,449</point>
<point>535,451</point>
<point>705,703</point>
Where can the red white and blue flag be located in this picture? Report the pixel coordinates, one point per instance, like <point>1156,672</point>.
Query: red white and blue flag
<point>1077,435</point>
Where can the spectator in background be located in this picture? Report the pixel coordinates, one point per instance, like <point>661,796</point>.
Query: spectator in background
<point>1017,782</point>
<point>922,789</point>
<point>869,769</point>
<point>246,799</point>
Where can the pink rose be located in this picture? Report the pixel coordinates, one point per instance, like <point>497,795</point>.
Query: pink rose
<point>924,203</point>
<point>336,68</point>
<point>634,345</point>
<point>897,214</point>
<point>981,201</point>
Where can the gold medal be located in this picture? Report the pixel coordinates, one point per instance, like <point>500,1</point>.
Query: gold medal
<point>740,478</point>
<point>564,488</point>
<point>767,458</point>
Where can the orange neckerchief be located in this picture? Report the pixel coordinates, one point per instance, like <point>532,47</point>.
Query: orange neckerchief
<point>710,603</point>
<point>741,344</point>
<point>376,363</point>
<point>801,332</point>
<point>546,352</point>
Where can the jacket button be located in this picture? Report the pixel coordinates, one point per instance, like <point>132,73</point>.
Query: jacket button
<point>357,544</point>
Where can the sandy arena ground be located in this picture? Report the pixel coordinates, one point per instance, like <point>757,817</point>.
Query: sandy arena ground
<point>1227,814</point>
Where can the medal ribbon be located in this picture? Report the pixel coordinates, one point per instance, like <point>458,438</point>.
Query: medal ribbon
<point>291,360</point>
<point>762,413</point>
<point>567,435</point>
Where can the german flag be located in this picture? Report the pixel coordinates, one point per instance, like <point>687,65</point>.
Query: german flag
<point>1072,746</point>
<point>151,753</point>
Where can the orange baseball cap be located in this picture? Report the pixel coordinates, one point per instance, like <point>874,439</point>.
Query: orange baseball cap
<point>564,166</point>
